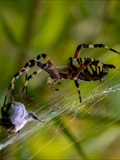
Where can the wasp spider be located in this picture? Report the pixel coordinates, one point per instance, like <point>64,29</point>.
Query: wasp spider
<point>86,69</point>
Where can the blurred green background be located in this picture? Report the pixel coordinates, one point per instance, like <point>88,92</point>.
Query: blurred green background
<point>28,28</point>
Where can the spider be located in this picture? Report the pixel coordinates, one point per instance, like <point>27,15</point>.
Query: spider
<point>86,69</point>
<point>15,116</point>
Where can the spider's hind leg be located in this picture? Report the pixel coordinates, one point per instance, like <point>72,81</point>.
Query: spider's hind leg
<point>111,66</point>
<point>79,48</point>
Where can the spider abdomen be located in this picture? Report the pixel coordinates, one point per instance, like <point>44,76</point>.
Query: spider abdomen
<point>94,71</point>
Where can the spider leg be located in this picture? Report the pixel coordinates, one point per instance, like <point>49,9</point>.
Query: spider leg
<point>47,69</point>
<point>39,64</point>
<point>111,66</point>
<point>77,52</point>
<point>78,88</point>
<point>33,116</point>
<point>76,74</point>
<point>30,77</point>
<point>26,76</point>
<point>51,82</point>
<point>48,60</point>
<point>26,68</point>
<point>50,63</point>
<point>51,69</point>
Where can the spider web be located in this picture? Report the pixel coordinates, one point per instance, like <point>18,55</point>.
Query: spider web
<point>94,115</point>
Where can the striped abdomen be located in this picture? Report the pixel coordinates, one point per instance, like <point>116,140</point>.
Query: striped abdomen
<point>92,72</point>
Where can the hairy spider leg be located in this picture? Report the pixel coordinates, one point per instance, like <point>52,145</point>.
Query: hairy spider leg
<point>39,64</point>
<point>50,63</point>
<point>30,77</point>
<point>77,52</point>
<point>26,76</point>
<point>111,66</point>
<point>26,68</point>
<point>51,69</point>
<point>76,74</point>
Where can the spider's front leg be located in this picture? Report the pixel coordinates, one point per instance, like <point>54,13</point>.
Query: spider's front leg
<point>48,67</point>
<point>52,70</point>
<point>51,66</point>
<point>26,68</point>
